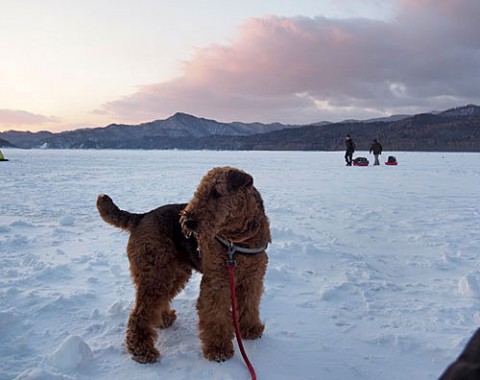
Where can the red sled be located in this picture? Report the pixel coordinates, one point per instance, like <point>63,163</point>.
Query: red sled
<point>391,161</point>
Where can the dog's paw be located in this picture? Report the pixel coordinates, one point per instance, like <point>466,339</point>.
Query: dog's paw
<point>167,318</point>
<point>218,354</point>
<point>142,350</point>
<point>146,357</point>
<point>252,332</point>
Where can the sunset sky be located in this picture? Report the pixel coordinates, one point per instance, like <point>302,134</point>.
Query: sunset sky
<point>68,64</point>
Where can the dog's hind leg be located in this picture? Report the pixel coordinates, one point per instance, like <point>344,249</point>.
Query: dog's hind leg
<point>141,334</point>
<point>158,278</point>
<point>152,310</point>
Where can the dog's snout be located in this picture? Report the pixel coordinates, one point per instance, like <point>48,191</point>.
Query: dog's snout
<point>190,224</point>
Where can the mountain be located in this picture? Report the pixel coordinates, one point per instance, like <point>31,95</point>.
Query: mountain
<point>456,129</point>
<point>388,118</point>
<point>121,136</point>
<point>6,144</point>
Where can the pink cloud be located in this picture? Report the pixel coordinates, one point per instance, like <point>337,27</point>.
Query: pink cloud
<point>308,69</point>
<point>18,117</point>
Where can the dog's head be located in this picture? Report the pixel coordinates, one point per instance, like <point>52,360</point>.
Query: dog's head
<point>225,196</point>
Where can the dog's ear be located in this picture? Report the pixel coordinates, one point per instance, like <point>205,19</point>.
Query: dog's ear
<point>237,179</point>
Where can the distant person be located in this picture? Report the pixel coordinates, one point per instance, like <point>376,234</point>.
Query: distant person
<point>376,148</point>
<point>349,149</point>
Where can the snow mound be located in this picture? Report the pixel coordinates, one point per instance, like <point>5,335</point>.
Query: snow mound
<point>468,286</point>
<point>67,221</point>
<point>73,353</point>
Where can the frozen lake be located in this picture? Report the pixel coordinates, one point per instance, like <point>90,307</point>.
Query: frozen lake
<point>373,274</point>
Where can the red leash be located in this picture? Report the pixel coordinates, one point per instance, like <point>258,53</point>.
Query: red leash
<point>232,263</point>
<point>231,272</point>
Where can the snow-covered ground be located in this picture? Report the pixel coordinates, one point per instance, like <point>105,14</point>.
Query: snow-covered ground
<point>374,271</point>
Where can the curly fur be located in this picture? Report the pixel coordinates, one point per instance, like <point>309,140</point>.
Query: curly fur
<point>167,243</point>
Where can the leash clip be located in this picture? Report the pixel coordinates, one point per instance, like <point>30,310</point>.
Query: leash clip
<point>231,252</point>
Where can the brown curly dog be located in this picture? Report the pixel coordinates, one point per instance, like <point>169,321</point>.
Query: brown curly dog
<point>167,243</point>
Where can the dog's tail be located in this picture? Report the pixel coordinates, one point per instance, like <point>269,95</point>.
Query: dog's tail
<point>111,214</point>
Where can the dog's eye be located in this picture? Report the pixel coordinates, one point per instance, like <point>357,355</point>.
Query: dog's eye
<point>215,194</point>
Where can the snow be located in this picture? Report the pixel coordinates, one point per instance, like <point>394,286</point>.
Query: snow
<point>373,271</point>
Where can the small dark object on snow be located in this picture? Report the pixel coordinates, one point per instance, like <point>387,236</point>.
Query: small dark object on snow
<point>391,161</point>
<point>360,161</point>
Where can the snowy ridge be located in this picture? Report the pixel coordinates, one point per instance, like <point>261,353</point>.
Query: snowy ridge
<point>373,271</point>
<point>468,110</point>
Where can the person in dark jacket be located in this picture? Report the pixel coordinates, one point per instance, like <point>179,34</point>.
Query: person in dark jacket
<point>349,149</point>
<point>376,148</point>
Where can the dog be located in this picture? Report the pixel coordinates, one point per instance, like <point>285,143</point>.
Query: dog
<point>467,365</point>
<point>166,244</point>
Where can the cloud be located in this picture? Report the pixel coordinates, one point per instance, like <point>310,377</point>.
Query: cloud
<point>18,118</point>
<point>308,69</point>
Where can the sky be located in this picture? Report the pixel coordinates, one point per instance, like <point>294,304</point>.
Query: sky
<point>68,64</point>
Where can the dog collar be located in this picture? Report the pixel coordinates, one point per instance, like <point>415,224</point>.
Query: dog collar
<point>232,247</point>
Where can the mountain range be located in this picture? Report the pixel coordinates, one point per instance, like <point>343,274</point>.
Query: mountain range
<point>456,129</point>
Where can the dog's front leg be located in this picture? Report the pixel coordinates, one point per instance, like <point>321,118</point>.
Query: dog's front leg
<point>215,318</point>
<point>249,289</point>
